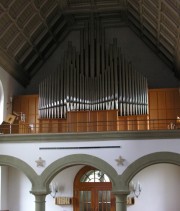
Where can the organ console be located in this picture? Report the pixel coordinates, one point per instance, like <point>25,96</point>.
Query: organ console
<point>96,78</point>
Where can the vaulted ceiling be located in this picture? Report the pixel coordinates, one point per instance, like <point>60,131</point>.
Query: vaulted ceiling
<point>30,30</point>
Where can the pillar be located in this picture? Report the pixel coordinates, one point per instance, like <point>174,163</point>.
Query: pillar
<point>121,200</point>
<point>40,201</point>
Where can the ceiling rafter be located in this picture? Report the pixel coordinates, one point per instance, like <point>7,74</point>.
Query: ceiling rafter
<point>177,56</point>
<point>159,22</point>
<point>30,31</point>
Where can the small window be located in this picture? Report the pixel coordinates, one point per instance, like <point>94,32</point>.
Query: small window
<point>95,176</point>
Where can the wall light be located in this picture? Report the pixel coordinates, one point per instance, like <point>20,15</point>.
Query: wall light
<point>135,188</point>
<point>54,189</point>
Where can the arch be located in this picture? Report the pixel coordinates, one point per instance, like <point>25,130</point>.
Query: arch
<point>1,102</point>
<point>83,172</point>
<point>77,159</point>
<point>147,160</point>
<point>6,160</point>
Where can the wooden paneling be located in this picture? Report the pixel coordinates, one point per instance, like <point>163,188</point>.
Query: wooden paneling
<point>102,118</point>
<point>122,123</point>
<point>92,126</point>
<point>164,107</point>
<point>28,105</point>
<point>63,127</point>
<point>177,98</point>
<point>72,121</point>
<point>53,126</point>
<point>44,126</point>
<point>153,99</point>
<point>82,121</point>
<point>112,117</point>
<point>170,100</point>
<point>161,99</point>
<point>132,123</point>
<point>135,122</point>
<point>142,122</point>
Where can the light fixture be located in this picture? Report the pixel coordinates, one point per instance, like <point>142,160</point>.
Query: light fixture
<point>135,188</point>
<point>54,189</point>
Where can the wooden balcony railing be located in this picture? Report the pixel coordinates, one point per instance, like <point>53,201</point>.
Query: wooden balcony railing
<point>61,126</point>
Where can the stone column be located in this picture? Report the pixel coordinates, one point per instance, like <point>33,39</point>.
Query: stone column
<point>121,200</point>
<point>39,201</point>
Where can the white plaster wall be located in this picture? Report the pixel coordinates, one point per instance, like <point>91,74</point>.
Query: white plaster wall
<point>19,198</point>
<point>11,88</point>
<point>65,180</point>
<point>130,150</point>
<point>160,189</point>
<point>4,189</point>
<point>19,186</point>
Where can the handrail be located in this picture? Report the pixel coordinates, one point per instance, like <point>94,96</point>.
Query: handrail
<point>55,126</point>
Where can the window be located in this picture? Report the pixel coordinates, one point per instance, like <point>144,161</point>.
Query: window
<point>95,176</point>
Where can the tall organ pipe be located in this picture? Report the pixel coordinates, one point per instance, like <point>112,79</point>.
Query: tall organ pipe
<point>97,78</point>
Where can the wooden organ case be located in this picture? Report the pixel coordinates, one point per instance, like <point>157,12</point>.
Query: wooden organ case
<point>95,89</point>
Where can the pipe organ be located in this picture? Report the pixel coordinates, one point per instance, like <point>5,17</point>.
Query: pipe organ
<point>96,78</point>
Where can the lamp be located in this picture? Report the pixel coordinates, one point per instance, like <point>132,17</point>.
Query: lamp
<point>135,188</point>
<point>54,189</point>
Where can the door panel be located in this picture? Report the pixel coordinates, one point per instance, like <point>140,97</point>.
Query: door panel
<point>85,201</point>
<point>95,200</point>
<point>104,201</point>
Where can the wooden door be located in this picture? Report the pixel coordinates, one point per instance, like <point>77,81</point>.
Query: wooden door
<point>92,196</point>
<point>95,200</point>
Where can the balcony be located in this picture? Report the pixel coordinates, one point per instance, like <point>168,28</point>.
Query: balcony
<point>163,115</point>
<point>90,122</point>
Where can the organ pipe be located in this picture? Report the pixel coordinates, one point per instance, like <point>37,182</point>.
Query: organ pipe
<point>96,78</point>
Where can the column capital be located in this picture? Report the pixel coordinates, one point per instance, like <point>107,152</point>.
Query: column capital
<point>121,192</point>
<point>40,193</point>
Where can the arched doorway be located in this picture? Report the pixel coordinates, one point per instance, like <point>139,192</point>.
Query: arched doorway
<point>92,191</point>
<point>1,102</point>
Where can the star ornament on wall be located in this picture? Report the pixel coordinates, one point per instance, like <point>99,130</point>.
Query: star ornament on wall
<point>120,161</point>
<point>40,162</point>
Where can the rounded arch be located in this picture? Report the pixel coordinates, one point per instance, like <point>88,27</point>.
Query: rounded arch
<point>1,102</point>
<point>83,172</point>
<point>6,160</point>
<point>77,159</point>
<point>147,160</point>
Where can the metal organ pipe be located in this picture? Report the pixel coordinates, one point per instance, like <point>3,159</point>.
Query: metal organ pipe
<point>97,78</point>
